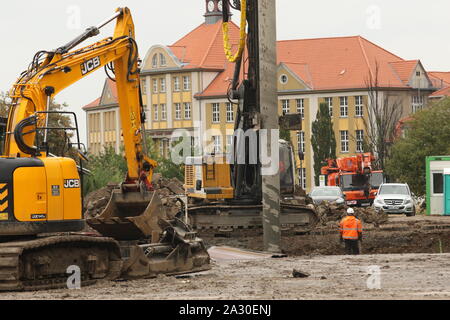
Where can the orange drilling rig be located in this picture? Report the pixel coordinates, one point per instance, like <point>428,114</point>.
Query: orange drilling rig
<point>356,177</point>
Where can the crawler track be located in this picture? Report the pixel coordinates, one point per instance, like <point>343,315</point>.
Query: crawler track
<point>42,264</point>
<point>219,217</point>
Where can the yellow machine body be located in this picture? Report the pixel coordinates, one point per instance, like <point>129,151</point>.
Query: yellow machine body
<point>208,178</point>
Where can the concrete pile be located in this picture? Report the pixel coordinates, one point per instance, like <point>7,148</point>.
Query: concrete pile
<point>167,189</point>
<point>330,213</point>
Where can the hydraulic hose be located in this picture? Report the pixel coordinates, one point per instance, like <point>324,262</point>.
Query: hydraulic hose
<point>18,135</point>
<point>226,35</point>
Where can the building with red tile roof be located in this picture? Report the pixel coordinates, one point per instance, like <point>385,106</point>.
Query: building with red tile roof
<point>185,86</point>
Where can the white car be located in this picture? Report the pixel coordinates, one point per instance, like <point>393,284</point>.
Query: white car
<point>395,198</point>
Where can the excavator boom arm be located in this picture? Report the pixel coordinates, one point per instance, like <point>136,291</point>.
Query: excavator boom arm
<point>62,68</point>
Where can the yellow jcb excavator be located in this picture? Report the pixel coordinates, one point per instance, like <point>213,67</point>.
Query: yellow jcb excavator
<point>40,195</point>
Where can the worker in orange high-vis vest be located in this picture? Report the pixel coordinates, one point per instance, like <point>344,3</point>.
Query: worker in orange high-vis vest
<point>351,232</point>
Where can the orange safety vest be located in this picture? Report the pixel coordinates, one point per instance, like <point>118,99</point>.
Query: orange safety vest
<point>351,228</point>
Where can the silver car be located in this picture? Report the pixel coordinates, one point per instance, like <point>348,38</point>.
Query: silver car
<point>395,198</point>
<point>330,194</point>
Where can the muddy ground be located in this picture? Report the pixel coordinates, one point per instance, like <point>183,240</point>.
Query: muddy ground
<point>401,234</point>
<point>406,251</point>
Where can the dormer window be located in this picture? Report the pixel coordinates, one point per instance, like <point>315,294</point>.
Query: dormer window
<point>418,73</point>
<point>162,60</point>
<point>155,61</point>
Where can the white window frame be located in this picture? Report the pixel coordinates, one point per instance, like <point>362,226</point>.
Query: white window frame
<point>344,141</point>
<point>163,112</point>
<point>417,103</point>
<point>302,177</point>
<point>329,102</point>
<point>230,113</point>
<point>187,110</point>
<point>144,86</point>
<point>301,107</point>
<point>155,112</point>
<point>359,141</point>
<point>162,82</point>
<point>177,111</point>
<point>217,144</point>
<point>286,107</point>
<point>162,60</point>
<point>344,106</point>
<point>186,83</point>
<point>176,84</point>
<point>155,85</point>
<point>359,106</point>
<point>155,60</point>
<point>216,112</point>
<point>301,141</point>
<point>229,145</point>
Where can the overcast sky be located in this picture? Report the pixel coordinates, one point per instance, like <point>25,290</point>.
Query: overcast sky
<point>412,29</point>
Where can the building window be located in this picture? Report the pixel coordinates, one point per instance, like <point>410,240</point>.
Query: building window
<point>344,141</point>
<point>360,141</point>
<point>215,113</point>
<point>155,85</point>
<point>302,173</point>
<point>155,112</point>
<point>286,107</point>
<point>176,84</point>
<point>229,147</point>
<point>186,83</point>
<point>162,60</point>
<point>301,141</point>
<point>344,107</point>
<point>163,112</point>
<point>359,106</point>
<point>329,102</point>
<point>217,141</point>
<point>187,111</point>
<point>230,112</point>
<point>144,86</point>
<point>301,107</point>
<point>162,82</point>
<point>284,79</point>
<point>418,73</point>
<point>155,61</point>
<point>177,111</point>
<point>417,103</point>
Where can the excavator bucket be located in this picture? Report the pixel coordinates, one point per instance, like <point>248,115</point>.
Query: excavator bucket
<point>130,216</point>
<point>150,244</point>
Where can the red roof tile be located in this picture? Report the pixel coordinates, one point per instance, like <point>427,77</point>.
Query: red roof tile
<point>445,92</point>
<point>203,47</point>
<point>96,103</point>
<point>439,79</point>
<point>334,63</point>
<point>404,69</point>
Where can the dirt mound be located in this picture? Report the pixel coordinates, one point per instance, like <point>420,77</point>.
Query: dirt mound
<point>167,189</point>
<point>330,213</point>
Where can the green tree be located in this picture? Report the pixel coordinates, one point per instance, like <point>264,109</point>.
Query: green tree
<point>323,139</point>
<point>110,167</point>
<point>428,134</point>
<point>59,140</point>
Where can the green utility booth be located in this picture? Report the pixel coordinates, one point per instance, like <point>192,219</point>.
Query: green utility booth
<point>438,185</point>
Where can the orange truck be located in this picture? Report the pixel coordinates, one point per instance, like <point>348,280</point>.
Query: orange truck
<point>356,177</point>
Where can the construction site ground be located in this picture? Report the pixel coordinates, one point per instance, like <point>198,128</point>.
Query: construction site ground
<point>412,254</point>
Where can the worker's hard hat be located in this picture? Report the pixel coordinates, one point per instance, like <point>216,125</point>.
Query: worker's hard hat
<point>350,211</point>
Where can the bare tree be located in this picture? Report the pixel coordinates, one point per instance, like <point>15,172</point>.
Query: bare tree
<point>3,105</point>
<point>384,112</point>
